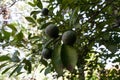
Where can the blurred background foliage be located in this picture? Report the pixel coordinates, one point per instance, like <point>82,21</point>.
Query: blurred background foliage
<point>22,38</point>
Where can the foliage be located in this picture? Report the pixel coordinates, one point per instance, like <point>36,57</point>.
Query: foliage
<point>96,24</point>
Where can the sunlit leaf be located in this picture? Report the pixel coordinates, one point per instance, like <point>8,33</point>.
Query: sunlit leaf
<point>12,26</point>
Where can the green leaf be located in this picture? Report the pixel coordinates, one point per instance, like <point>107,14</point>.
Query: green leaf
<point>30,19</point>
<point>6,34</point>
<point>69,57</point>
<point>111,47</point>
<point>15,70</point>
<point>47,70</point>
<point>12,26</point>
<point>8,68</point>
<point>39,4</point>
<point>56,60</point>
<point>34,12</point>
<point>44,62</point>
<point>28,65</point>
<point>45,25</point>
<point>31,4</point>
<point>3,64</point>
<point>4,58</point>
<point>19,36</point>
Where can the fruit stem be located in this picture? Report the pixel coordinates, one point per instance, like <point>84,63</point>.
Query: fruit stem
<point>51,40</point>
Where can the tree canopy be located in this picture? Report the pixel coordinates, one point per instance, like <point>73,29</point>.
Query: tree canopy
<point>91,40</point>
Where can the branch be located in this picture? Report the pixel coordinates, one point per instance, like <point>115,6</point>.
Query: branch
<point>13,3</point>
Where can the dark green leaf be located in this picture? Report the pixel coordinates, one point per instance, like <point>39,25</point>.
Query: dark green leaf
<point>45,25</point>
<point>28,65</point>
<point>3,65</point>
<point>112,47</point>
<point>44,62</point>
<point>15,70</point>
<point>8,68</point>
<point>12,26</point>
<point>6,34</point>
<point>69,57</point>
<point>39,4</point>
<point>4,58</point>
<point>56,60</point>
<point>19,36</point>
<point>34,12</point>
<point>30,19</point>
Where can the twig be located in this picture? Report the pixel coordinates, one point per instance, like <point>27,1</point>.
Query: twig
<point>13,3</point>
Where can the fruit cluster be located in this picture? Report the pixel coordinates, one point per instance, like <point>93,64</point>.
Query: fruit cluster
<point>68,37</point>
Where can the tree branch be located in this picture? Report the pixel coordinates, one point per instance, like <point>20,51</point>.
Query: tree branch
<point>13,3</point>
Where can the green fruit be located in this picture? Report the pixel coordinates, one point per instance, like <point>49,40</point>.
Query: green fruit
<point>69,37</point>
<point>45,11</point>
<point>47,53</point>
<point>52,31</point>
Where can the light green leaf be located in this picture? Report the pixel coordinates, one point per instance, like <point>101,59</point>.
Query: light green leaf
<point>56,60</point>
<point>69,57</point>
<point>31,4</point>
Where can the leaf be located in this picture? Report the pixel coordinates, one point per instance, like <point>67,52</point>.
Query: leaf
<point>19,36</point>
<point>8,68</point>
<point>6,34</point>
<point>34,12</point>
<point>12,26</point>
<point>28,65</point>
<point>56,60</point>
<point>45,25</point>
<point>4,58</point>
<point>39,4</point>
<point>2,65</point>
<point>30,19</point>
<point>14,70</point>
<point>47,70</point>
<point>44,62</point>
<point>69,57</point>
<point>31,4</point>
<point>111,47</point>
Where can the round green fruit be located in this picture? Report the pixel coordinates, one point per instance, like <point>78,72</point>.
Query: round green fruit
<point>45,11</point>
<point>52,31</point>
<point>69,37</point>
<point>46,53</point>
